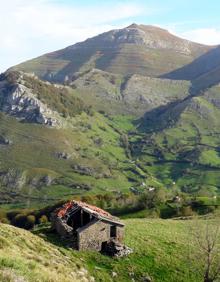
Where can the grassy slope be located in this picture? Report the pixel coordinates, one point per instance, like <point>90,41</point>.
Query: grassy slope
<point>161,251</point>
<point>185,148</point>
<point>134,94</point>
<point>26,257</point>
<point>93,142</point>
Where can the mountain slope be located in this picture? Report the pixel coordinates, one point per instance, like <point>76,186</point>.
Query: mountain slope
<point>27,257</point>
<point>134,94</point>
<point>78,151</point>
<point>183,142</point>
<point>203,72</point>
<point>136,49</point>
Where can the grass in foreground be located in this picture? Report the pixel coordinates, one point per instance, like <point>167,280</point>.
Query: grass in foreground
<point>27,257</point>
<point>163,250</point>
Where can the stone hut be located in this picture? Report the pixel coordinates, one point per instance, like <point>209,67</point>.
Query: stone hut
<point>89,227</point>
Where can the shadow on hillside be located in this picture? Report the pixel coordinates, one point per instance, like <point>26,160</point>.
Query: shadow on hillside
<point>161,117</point>
<point>47,234</point>
<point>165,116</point>
<point>203,72</point>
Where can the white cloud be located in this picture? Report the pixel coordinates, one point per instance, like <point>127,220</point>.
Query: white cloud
<point>209,36</point>
<point>30,28</point>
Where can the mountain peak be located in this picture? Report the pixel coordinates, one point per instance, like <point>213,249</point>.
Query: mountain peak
<point>144,35</point>
<point>136,49</point>
<point>147,27</point>
<point>133,25</point>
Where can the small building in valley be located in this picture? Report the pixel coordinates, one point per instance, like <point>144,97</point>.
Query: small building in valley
<point>89,228</point>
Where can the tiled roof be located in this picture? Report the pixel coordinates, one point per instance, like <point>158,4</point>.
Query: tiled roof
<point>95,211</point>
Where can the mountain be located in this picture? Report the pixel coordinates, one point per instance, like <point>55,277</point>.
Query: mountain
<point>136,49</point>
<point>130,107</point>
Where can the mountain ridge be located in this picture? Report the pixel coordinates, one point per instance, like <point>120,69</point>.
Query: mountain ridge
<point>139,49</point>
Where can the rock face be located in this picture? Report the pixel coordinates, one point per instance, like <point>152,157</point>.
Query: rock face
<point>149,36</point>
<point>153,92</point>
<point>18,100</point>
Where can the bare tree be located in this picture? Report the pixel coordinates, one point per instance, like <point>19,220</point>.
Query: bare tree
<point>206,245</point>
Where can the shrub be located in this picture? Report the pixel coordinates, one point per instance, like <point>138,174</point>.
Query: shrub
<point>5,220</point>
<point>19,220</point>
<point>30,221</point>
<point>187,211</point>
<point>24,221</point>
<point>43,219</point>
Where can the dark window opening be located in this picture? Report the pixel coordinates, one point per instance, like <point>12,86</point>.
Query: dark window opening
<point>79,218</point>
<point>113,231</point>
<point>104,246</point>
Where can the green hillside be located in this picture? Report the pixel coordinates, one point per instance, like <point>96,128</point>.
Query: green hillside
<point>49,164</point>
<point>27,257</point>
<point>96,142</point>
<point>161,252</point>
<point>134,109</point>
<point>183,142</point>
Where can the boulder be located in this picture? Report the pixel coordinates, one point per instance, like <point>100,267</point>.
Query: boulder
<point>5,141</point>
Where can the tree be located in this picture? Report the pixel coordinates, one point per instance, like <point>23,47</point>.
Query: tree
<point>206,239</point>
<point>152,198</point>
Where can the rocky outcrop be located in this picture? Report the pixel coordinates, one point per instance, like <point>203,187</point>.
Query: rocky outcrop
<point>149,36</point>
<point>84,170</point>
<point>62,155</point>
<point>19,101</point>
<point>5,141</point>
<point>12,178</point>
<point>153,92</point>
<point>116,249</point>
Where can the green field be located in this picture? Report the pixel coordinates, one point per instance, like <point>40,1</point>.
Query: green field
<point>164,250</point>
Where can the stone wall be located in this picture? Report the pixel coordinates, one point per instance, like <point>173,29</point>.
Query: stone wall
<point>61,227</point>
<point>93,235</point>
<point>120,233</point>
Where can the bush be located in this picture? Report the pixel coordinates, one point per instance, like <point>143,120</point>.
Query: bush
<point>43,219</point>
<point>167,211</point>
<point>187,211</point>
<point>5,220</point>
<point>2,215</point>
<point>24,221</point>
<point>30,221</point>
<point>19,220</point>
<point>152,199</point>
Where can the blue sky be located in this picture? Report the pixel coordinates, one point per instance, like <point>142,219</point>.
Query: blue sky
<point>31,28</point>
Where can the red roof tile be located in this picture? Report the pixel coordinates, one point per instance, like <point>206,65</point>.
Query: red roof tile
<point>66,207</point>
